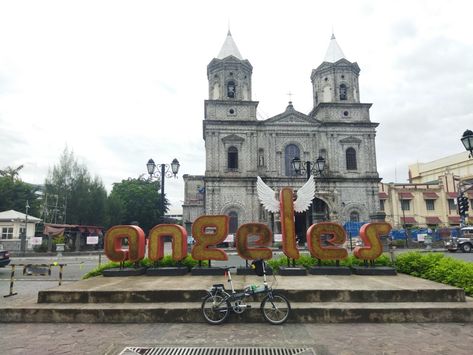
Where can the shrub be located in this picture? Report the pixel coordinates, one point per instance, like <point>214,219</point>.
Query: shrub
<point>439,268</point>
<point>307,261</point>
<point>146,262</point>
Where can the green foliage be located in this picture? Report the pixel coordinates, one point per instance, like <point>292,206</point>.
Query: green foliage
<point>135,201</point>
<point>80,198</point>
<point>14,193</point>
<point>439,268</point>
<point>146,262</point>
<point>307,261</point>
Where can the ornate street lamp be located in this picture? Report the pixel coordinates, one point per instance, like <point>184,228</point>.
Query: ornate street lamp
<point>467,140</point>
<point>310,168</point>
<point>165,170</point>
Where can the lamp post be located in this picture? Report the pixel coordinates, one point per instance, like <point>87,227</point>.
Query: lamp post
<point>166,170</point>
<point>467,140</point>
<point>310,168</point>
<point>24,234</point>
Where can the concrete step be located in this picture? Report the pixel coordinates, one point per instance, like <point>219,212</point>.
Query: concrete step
<point>179,312</point>
<point>295,295</point>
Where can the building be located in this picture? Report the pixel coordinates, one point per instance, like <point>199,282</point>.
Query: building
<point>430,199</point>
<point>239,147</point>
<point>12,227</point>
<point>458,164</point>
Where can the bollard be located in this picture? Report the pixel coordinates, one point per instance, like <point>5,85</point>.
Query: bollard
<point>60,273</point>
<point>100,259</point>
<point>12,281</point>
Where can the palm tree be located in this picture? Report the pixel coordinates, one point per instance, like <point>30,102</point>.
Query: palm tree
<point>12,173</point>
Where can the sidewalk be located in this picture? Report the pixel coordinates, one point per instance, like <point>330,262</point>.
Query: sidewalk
<point>325,339</point>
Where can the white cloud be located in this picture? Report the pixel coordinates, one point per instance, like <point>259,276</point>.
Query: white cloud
<point>120,82</point>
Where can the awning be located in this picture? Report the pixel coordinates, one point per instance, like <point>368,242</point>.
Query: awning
<point>454,219</point>
<point>49,230</point>
<point>382,195</point>
<point>405,196</point>
<point>432,220</point>
<point>408,220</point>
<point>452,194</point>
<point>430,196</point>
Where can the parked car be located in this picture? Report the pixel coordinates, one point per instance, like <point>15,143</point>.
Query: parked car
<point>4,258</point>
<point>464,242</point>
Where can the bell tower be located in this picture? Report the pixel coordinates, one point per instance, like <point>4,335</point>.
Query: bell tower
<point>336,79</point>
<point>229,77</point>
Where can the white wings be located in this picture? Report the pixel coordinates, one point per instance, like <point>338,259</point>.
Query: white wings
<point>267,196</point>
<point>305,195</point>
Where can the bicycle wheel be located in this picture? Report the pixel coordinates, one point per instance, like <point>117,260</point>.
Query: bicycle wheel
<point>275,308</point>
<point>215,308</point>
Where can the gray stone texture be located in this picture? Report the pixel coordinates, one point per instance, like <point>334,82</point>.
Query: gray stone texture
<point>336,123</point>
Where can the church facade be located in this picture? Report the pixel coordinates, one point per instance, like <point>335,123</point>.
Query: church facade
<point>239,147</point>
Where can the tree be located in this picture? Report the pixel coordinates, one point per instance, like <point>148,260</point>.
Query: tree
<point>14,193</point>
<point>74,194</point>
<point>135,201</point>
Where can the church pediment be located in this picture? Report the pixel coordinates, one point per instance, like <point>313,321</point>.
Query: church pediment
<point>290,116</point>
<point>233,138</point>
<point>350,140</point>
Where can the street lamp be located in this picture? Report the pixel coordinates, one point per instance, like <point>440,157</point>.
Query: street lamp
<point>24,234</point>
<point>166,170</point>
<point>310,168</point>
<point>467,140</point>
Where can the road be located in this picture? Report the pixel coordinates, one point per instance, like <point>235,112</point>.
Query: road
<point>27,286</point>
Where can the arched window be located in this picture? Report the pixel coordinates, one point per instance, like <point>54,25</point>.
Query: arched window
<point>233,223</point>
<point>231,89</point>
<point>354,216</point>
<point>291,152</point>
<point>343,92</point>
<point>232,158</point>
<point>351,159</point>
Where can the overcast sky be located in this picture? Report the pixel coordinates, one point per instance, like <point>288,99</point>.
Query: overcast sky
<point>120,82</point>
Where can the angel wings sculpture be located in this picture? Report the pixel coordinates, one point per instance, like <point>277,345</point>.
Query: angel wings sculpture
<point>267,196</point>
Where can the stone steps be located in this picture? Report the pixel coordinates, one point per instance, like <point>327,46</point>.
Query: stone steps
<point>314,299</point>
<point>299,295</point>
<point>185,312</point>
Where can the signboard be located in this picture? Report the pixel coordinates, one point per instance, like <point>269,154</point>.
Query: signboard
<point>421,237</point>
<point>92,239</point>
<point>36,240</point>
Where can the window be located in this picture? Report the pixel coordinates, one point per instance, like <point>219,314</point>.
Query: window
<point>7,233</point>
<point>354,217</point>
<point>291,152</point>
<point>231,89</point>
<point>232,158</point>
<point>381,205</point>
<point>22,231</point>
<point>451,205</point>
<point>430,205</point>
<point>351,159</point>
<point>233,223</point>
<point>343,92</point>
<point>405,205</point>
